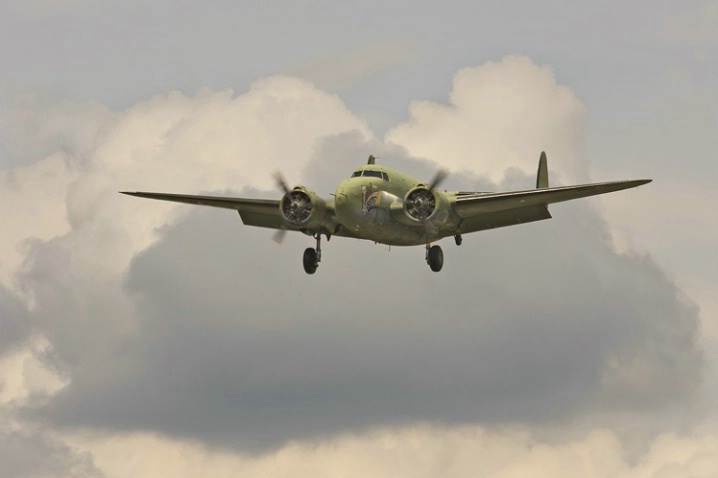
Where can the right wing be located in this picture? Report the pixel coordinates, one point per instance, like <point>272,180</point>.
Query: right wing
<point>254,212</point>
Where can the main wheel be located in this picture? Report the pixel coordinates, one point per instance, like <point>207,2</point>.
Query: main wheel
<point>310,260</point>
<point>436,258</point>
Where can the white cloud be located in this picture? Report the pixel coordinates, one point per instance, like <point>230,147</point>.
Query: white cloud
<point>419,451</point>
<point>500,115</point>
<point>24,374</point>
<point>83,155</point>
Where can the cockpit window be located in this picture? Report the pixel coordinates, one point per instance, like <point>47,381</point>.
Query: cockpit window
<point>370,174</point>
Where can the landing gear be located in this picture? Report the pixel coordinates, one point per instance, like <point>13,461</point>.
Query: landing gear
<point>434,257</point>
<point>458,239</point>
<point>310,260</point>
<point>312,257</point>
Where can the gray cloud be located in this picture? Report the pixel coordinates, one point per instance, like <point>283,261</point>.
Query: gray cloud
<point>236,346</point>
<point>14,321</point>
<point>32,452</point>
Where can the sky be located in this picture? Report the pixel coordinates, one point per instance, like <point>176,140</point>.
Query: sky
<point>142,338</point>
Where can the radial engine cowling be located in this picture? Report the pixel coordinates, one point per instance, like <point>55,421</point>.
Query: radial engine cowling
<point>420,203</point>
<point>303,209</point>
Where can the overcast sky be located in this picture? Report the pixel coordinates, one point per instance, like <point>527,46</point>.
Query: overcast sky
<point>141,338</point>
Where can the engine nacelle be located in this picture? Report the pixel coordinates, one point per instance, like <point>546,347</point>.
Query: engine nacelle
<point>422,206</point>
<point>303,209</point>
<point>420,203</point>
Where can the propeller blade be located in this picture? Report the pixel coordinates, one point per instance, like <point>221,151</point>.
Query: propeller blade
<point>279,179</point>
<point>279,236</point>
<point>438,179</point>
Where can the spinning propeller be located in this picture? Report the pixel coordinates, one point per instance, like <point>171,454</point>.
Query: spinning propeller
<point>421,202</point>
<point>278,237</point>
<point>296,205</point>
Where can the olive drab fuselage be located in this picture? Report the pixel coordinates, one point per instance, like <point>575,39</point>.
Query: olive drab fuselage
<point>371,205</point>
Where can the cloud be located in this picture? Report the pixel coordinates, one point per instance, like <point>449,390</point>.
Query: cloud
<point>500,114</point>
<point>180,321</point>
<point>223,358</point>
<point>29,451</point>
<point>66,184</point>
<point>25,378</point>
<point>14,321</point>
<point>418,451</point>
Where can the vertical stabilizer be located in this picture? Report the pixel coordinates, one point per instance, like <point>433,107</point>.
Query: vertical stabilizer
<point>542,175</point>
<point>371,160</point>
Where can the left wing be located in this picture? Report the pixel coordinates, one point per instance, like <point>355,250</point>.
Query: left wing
<point>489,210</point>
<point>254,212</point>
<point>477,203</point>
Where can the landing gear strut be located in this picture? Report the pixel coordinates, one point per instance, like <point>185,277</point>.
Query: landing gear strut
<point>312,257</point>
<point>434,257</point>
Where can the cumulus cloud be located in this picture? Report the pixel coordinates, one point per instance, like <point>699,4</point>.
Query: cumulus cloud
<point>30,451</point>
<point>488,343</point>
<point>418,451</point>
<point>500,115</point>
<point>66,183</point>
<point>180,321</point>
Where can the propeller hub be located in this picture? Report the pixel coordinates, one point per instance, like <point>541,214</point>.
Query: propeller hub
<point>296,206</point>
<point>420,204</point>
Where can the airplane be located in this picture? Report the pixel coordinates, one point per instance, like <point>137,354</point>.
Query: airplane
<point>386,206</point>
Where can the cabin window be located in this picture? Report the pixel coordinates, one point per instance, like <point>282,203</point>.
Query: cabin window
<point>384,175</point>
<point>356,174</point>
<point>372,174</point>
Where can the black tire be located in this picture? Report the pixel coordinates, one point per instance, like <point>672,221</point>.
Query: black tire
<point>310,260</point>
<point>436,258</point>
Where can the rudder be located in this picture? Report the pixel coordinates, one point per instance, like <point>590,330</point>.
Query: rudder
<point>542,175</point>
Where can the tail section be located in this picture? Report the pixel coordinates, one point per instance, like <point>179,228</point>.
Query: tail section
<point>542,175</point>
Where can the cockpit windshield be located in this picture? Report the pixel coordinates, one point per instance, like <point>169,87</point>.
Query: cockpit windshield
<point>370,174</point>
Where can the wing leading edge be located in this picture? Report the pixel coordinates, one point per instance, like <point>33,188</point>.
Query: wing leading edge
<point>468,205</point>
<point>254,212</point>
<point>489,210</point>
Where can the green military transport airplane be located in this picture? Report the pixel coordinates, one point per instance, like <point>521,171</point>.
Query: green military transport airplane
<point>386,206</point>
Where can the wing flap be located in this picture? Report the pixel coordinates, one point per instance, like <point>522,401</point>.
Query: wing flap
<point>511,217</point>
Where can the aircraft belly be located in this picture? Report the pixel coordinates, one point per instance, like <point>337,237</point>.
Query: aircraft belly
<point>377,225</point>
<point>366,213</point>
